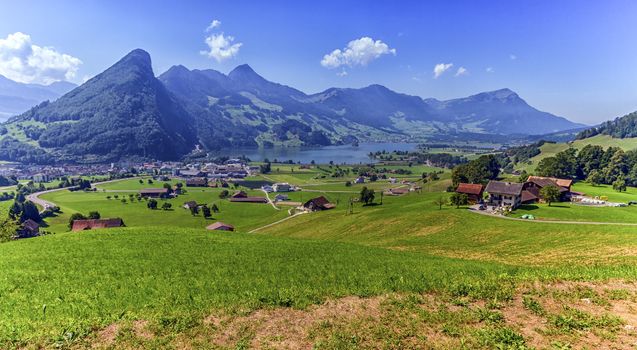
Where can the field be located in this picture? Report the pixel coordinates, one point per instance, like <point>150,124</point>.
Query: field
<point>404,274</point>
<point>550,149</point>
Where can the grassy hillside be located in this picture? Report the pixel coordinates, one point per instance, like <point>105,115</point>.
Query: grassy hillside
<point>403,274</point>
<point>550,149</point>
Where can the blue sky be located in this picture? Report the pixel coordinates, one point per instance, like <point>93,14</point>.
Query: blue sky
<point>571,58</point>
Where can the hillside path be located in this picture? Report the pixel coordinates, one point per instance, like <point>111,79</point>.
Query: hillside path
<point>277,222</point>
<point>554,221</point>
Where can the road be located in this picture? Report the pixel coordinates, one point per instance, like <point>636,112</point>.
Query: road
<point>278,222</point>
<point>267,195</point>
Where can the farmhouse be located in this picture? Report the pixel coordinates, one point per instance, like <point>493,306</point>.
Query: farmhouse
<point>473,191</point>
<point>504,193</point>
<point>191,173</point>
<point>82,225</point>
<point>318,203</point>
<point>282,187</point>
<point>220,226</point>
<point>533,185</point>
<point>359,180</point>
<point>239,194</point>
<point>197,182</point>
<point>397,191</point>
<point>154,192</point>
<point>281,197</point>
<point>28,229</point>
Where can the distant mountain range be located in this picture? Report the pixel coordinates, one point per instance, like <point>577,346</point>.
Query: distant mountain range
<point>15,98</point>
<point>128,113</point>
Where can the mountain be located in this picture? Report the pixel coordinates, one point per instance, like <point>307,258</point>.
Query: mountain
<point>124,112</point>
<point>502,112</point>
<point>16,98</point>
<point>128,113</point>
<point>622,127</point>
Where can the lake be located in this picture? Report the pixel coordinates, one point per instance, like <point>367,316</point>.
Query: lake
<point>345,154</point>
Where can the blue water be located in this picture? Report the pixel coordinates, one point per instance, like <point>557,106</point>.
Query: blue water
<point>346,154</point>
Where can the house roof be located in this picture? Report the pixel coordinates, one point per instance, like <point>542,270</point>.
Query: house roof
<point>528,196</point>
<point>508,188</point>
<point>196,181</point>
<point>545,181</point>
<point>79,225</point>
<point>319,202</point>
<point>190,204</point>
<point>249,199</point>
<point>560,182</point>
<point>220,226</point>
<point>475,189</point>
<point>240,194</point>
<point>154,190</point>
<point>31,225</point>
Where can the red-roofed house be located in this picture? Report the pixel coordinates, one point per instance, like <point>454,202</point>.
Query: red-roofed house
<point>473,191</point>
<point>81,225</point>
<point>220,226</point>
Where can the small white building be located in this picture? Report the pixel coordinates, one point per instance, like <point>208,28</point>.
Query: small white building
<point>282,187</point>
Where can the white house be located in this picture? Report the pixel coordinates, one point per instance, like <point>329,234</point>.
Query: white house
<point>282,187</point>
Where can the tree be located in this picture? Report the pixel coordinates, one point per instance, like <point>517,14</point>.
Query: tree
<point>124,200</point>
<point>194,210</point>
<point>523,176</point>
<point>550,194</point>
<point>94,215</point>
<point>224,194</point>
<point>214,208</point>
<point>75,216</point>
<point>619,185</point>
<point>206,211</point>
<point>595,177</point>
<point>440,201</point>
<point>367,195</point>
<point>459,199</point>
<point>152,204</point>
<point>166,206</point>
<point>29,211</point>
<point>348,184</point>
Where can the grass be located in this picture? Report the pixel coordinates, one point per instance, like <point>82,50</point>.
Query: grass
<point>175,277</point>
<point>165,268</point>
<point>244,216</point>
<point>413,223</point>
<point>606,190</point>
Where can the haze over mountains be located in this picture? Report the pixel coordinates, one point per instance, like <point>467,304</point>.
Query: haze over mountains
<point>16,97</point>
<point>128,113</point>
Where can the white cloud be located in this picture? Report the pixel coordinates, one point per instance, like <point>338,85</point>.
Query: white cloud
<point>440,68</point>
<point>513,57</point>
<point>214,24</point>
<point>342,73</point>
<point>461,71</point>
<point>489,70</point>
<point>358,52</point>
<point>221,47</point>
<point>22,61</point>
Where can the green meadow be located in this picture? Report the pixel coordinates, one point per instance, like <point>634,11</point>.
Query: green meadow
<point>192,288</point>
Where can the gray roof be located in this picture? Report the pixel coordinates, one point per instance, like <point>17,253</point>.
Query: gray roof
<point>508,188</point>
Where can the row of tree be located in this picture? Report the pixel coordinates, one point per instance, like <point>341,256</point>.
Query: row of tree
<point>593,164</point>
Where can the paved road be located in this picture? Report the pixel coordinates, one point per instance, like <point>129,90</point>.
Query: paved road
<point>554,221</point>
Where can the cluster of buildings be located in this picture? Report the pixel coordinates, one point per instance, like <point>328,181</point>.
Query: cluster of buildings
<point>512,194</point>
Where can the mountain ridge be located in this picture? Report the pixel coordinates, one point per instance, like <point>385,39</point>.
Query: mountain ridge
<point>126,112</point>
